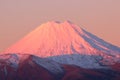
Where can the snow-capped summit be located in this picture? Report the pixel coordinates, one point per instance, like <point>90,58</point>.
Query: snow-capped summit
<point>56,38</point>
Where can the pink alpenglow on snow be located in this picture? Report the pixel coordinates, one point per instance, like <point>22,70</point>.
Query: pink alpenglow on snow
<point>56,38</point>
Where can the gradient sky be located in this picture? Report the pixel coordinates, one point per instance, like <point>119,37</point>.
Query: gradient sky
<point>18,17</point>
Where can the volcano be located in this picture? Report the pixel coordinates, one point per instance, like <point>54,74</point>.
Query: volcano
<point>66,40</point>
<point>55,38</point>
<point>57,47</point>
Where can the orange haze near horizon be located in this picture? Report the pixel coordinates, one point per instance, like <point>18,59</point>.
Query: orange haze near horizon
<point>19,17</point>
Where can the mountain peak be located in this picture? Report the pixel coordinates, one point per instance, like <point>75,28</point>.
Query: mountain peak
<point>58,22</point>
<point>68,21</point>
<point>60,38</point>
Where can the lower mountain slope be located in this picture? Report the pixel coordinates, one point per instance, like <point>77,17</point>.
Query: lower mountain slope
<point>30,67</point>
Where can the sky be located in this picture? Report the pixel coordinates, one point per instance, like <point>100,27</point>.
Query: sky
<point>19,17</point>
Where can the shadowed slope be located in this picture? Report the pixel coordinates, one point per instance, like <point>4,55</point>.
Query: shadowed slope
<point>77,73</point>
<point>24,67</point>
